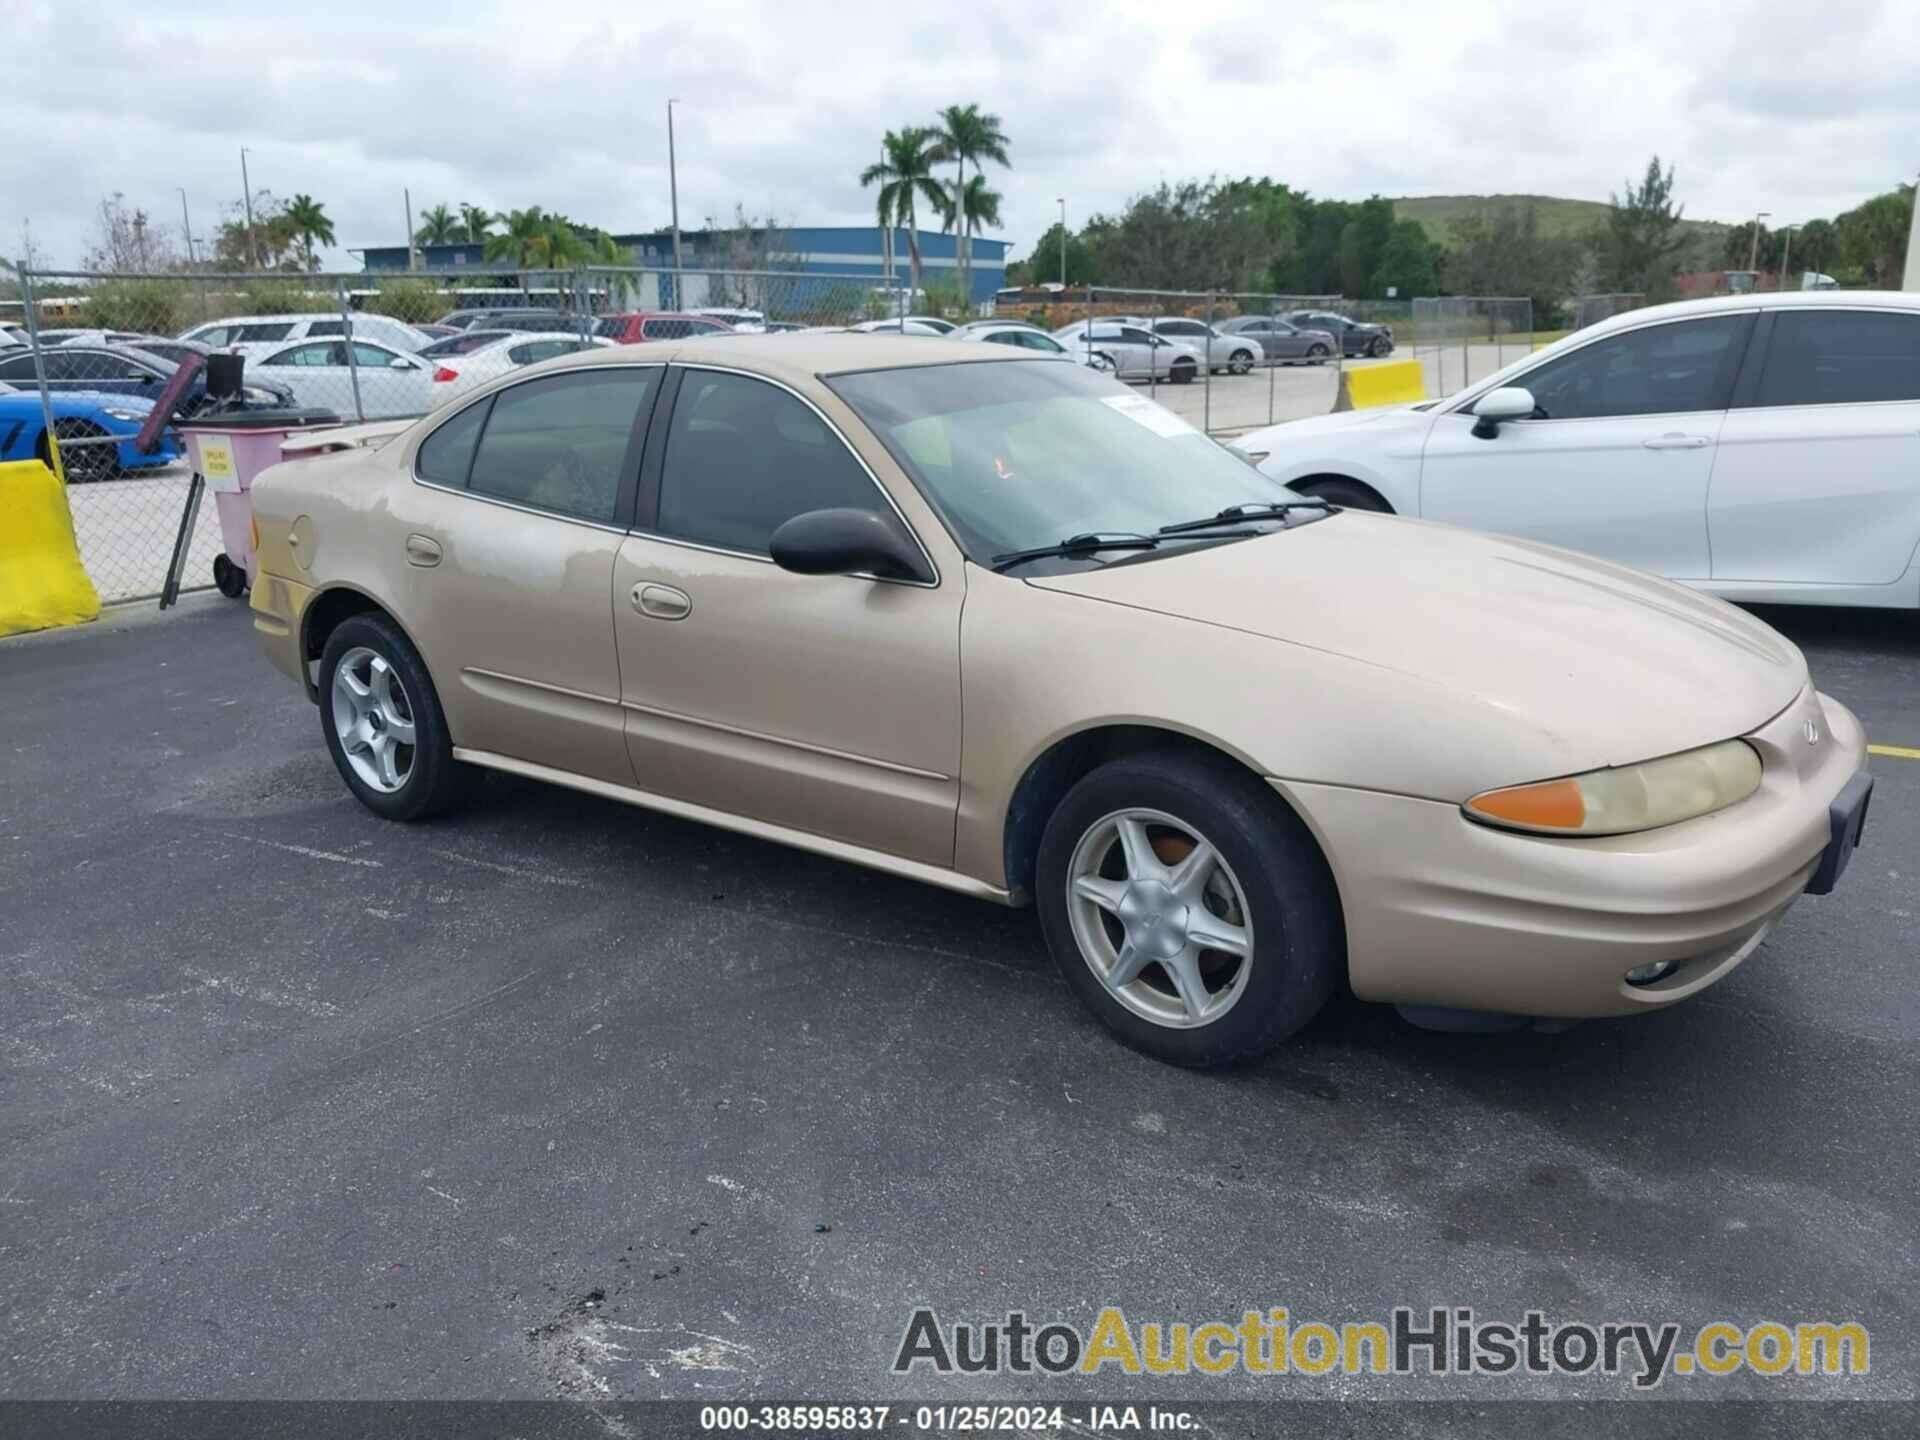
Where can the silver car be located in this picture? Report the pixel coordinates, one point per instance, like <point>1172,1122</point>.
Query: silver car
<point>1015,333</point>
<point>1236,354</point>
<point>1131,352</point>
<point>1279,340</point>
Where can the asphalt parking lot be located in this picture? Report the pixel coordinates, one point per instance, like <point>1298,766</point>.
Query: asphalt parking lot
<point>561,1099</point>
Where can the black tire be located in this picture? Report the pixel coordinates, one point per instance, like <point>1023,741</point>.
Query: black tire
<point>1347,494</point>
<point>1381,347</point>
<point>1240,362</point>
<point>228,578</point>
<point>435,780</point>
<point>1318,354</point>
<point>1299,953</point>
<point>84,464</point>
<point>1183,373</point>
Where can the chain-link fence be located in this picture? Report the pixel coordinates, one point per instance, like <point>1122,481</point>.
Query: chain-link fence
<point>1585,310</point>
<point>1461,339</point>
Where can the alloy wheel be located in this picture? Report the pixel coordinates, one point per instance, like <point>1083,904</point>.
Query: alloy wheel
<point>1160,918</point>
<point>373,719</point>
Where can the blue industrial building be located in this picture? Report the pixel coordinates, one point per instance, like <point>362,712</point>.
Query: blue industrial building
<point>836,250</point>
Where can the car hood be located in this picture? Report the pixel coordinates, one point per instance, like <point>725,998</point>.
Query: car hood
<point>1380,419</point>
<point>1602,665</point>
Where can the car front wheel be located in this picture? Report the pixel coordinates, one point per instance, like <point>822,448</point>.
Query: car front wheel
<point>1183,373</point>
<point>1381,347</point>
<point>383,722</point>
<point>1240,362</point>
<point>1317,354</point>
<point>1189,908</point>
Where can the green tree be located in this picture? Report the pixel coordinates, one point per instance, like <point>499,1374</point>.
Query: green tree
<point>1043,265</point>
<point>476,223</point>
<point>1407,263</point>
<point>307,220</point>
<point>1368,228</point>
<point>978,208</point>
<point>1500,250</point>
<point>964,134</point>
<point>1814,246</point>
<point>439,226</point>
<point>905,176</point>
<point>1872,237</point>
<point>1739,247</point>
<point>1641,237</point>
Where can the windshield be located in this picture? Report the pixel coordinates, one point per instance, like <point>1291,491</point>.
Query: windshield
<point>1019,454</point>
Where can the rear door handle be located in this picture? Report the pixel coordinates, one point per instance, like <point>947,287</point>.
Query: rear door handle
<point>662,602</point>
<point>1676,442</point>
<point>422,550</point>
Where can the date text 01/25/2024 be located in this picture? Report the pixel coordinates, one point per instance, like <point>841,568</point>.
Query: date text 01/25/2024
<point>982,1418</point>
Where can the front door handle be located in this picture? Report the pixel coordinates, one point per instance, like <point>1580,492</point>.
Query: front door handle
<point>1676,441</point>
<point>662,602</point>
<point>423,550</point>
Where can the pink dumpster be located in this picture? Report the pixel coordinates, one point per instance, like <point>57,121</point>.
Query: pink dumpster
<point>229,450</point>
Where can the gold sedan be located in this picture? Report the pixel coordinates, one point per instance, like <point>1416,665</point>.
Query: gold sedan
<point>999,624</point>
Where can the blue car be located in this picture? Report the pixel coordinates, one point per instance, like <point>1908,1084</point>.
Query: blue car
<point>124,370</point>
<point>79,414</point>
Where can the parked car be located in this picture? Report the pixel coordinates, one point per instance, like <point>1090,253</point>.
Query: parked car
<point>1759,447</point>
<point>972,325</point>
<point>381,384</point>
<point>124,370</point>
<point>897,327</point>
<point>64,335</point>
<point>635,327</point>
<point>747,322</point>
<point>1232,353</point>
<point>434,330</point>
<point>80,415</point>
<point>1356,337</point>
<point>1129,351</point>
<point>1021,337</point>
<point>1280,341</point>
<point>278,329</point>
<point>1240,750</point>
<point>455,375</point>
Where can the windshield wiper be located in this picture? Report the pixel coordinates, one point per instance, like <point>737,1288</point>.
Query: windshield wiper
<point>1076,545</point>
<point>1251,510</point>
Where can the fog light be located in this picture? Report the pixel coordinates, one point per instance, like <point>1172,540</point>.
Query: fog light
<point>1647,974</point>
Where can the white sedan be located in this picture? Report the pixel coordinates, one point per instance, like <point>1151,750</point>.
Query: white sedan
<point>379,384</point>
<point>1763,448</point>
<point>470,359</point>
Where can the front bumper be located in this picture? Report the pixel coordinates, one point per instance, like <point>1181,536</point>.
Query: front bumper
<point>1443,911</point>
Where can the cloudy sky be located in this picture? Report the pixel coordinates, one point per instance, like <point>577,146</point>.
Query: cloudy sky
<point>1798,109</point>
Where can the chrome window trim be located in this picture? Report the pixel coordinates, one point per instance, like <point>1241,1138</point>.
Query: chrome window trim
<point>413,461</point>
<point>858,459</point>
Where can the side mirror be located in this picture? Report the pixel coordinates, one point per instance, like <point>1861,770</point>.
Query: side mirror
<point>1509,402</point>
<point>846,542</point>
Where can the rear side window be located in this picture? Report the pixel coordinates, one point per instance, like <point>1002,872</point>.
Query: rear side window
<point>212,335</point>
<point>1656,370</point>
<point>1841,357</point>
<point>668,329</point>
<point>463,343</point>
<point>446,454</point>
<point>560,443</point>
<point>744,457</point>
<point>327,327</point>
<point>252,334</point>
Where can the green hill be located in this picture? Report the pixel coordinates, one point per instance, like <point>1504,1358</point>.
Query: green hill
<point>1558,216</point>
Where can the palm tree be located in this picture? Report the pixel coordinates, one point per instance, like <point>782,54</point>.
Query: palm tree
<point>978,209</point>
<point>438,227</point>
<point>476,222</point>
<point>307,220</point>
<point>904,175</point>
<point>965,134</point>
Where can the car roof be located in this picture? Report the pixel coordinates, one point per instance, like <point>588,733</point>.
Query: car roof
<point>797,358</point>
<point>1759,300</point>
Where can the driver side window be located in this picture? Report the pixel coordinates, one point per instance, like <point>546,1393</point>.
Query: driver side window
<point>1657,370</point>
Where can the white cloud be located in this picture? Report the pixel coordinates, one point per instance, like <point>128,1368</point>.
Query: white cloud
<point>1797,110</point>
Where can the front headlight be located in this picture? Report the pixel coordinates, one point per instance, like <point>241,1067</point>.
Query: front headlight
<point>1629,798</point>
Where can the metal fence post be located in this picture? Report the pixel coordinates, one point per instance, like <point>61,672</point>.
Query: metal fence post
<point>1273,361</point>
<point>1206,400</point>
<point>40,368</point>
<point>346,332</point>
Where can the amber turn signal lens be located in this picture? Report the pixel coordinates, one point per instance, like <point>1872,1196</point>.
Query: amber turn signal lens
<point>1550,805</point>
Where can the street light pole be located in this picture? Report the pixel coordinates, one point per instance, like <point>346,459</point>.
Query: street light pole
<point>1786,253</point>
<point>1753,251</point>
<point>185,223</point>
<point>1063,243</point>
<point>673,189</point>
<point>246,198</point>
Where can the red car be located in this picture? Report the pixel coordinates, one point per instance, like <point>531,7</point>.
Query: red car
<point>640,325</point>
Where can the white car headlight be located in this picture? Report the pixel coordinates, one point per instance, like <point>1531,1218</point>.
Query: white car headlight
<point>1628,798</point>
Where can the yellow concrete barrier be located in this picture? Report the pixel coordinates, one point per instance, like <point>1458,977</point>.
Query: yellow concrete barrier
<point>1392,382</point>
<point>42,583</point>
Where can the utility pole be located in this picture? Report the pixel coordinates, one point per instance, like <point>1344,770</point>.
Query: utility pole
<point>406,196</point>
<point>186,224</point>
<point>673,189</point>
<point>1911,280</point>
<point>246,198</point>
<point>1063,243</point>
<point>1786,253</point>
<point>1753,251</point>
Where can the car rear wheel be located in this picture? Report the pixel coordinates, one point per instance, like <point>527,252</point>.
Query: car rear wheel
<point>383,722</point>
<point>1317,354</point>
<point>1189,908</point>
<point>1240,362</point>
<point>1182,372</point>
